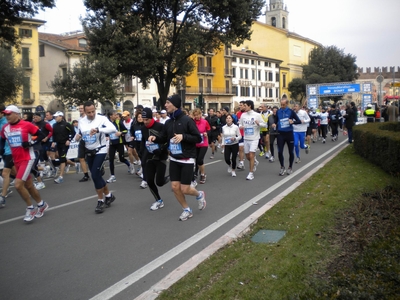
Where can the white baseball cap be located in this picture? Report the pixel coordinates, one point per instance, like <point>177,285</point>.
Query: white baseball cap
<point>11,108</point>
<point>58,113</point>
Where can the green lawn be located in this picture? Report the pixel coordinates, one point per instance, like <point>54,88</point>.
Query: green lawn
<point>245,270</point>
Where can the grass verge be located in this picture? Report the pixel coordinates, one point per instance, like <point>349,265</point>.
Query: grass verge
<point>298,264</point>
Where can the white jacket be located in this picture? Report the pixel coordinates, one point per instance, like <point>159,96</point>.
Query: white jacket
<point>304,117</point>
<point>99,139</point>
<point>250,128</point>
<point>229,132</point>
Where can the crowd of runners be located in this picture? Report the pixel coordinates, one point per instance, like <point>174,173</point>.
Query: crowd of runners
<point>159,146</point>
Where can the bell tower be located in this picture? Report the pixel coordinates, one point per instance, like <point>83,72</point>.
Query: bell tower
<point>277,14</point>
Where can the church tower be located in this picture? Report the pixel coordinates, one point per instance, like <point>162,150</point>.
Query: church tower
<point>277,14</point>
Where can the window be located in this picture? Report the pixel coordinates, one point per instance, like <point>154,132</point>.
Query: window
<point>64,73</point>
<point>273,21</point>
<point>259,75</point>
<point>253,92</point>
<point>277,77</point>
<point>259,63</point>
<point>200,64</point>
<point>25,58</point>
<point>82,43</point>
<point>246,74</point>
<point>284,80</point>
<point>246,61</point>
<point>227,87</point>
<point>234,72</point>
<point>259,92</point>
<point>128,84</point>
<point>277,92</point>
<point>41,50</point>
<point>25,33</point>
<point>241,73</point>
<point>200,85</point>
<point>235,90</point>
<point>245,91</point>
<point>270,76</point>
<point>253,74</point>
<point>241,60</point>
<point>26,88</point>
<point>270,93</point>
<point>209,62</point>
<point>252,61</point>
<point>208,89</point>
<point>234,59</point>
<point>283,23</point>
<point>266,75</point>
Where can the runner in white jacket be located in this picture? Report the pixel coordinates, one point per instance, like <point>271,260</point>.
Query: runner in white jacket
<point>299,131</point>
<point>250,122</point>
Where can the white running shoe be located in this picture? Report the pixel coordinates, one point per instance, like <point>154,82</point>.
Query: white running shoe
<point>241,165</point>
<point>111,179</point>
<point>298,160</point>
<point>250,176</point>
<point>143,185</point>
<point>156,205</point>
<point>255,165</point>
<point>40,186</point>
<point>30,214</point>
<point>131,169</point>
<point>193,184</point>
<point>271,159</point>
<point>186,214</point>
<point>201,198</point>
<point>67,168</point>
<point>229,169</point>
<point>40,210</point>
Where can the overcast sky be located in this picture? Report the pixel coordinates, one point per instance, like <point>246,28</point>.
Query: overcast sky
<point>368,29</point>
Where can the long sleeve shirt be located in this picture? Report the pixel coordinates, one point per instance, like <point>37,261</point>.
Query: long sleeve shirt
<point>230,134</point>
<point>250,127</point>
<point>303,116</point>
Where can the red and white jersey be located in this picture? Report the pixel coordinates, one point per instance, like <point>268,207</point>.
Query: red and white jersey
<point>16,134</point>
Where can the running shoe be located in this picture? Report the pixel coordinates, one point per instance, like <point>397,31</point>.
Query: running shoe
<point>30,214</point>
<point>2,201</point>
<point>156,205</point>
<point>9,191</point>
<point>40,186</point>
<point>186,214</point>
<point>201,198</point>
<point>323,141</point>
<point>307,149</point>
<point>250,176</point>
<point>111,179</point>
<point>271,159</point>
<point>59,180</point>
<point>297,160</point>
<point>143,185</point>
<point>84,179</point>
<point>212,156</point>
<point>282,172</point>
<point>255,165</point>
<point>131,169</point>
<point>67,168</point>
<point>100,207</point>
<point>193,184</point>
<point>241,165</point>
<point>77,167</point>
<point>262,153</point>
<point>289,171</point>
<point>139,172</point>
<point>233,173</point>
<point>229,169</point>
<point>109,200</point>
<point>135,162</point>
<point>203,178</point>
<point>40,210</point>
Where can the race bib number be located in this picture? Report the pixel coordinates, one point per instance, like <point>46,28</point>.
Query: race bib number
<point>249,131</point>
<point>152,146</point>
<point>228,141</point>
<point>138,135</point>
<point>175,148</point>
<point>113,136</point>
<point>284,123</point>
<point>88,138</point>
<point>15,139</point>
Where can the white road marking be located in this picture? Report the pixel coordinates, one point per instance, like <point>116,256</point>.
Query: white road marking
<point>161,260</point>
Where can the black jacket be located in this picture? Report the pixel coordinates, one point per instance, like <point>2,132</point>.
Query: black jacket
<point>158,154</point>
<point>121,128</point>
<point>63,132</point>
<point>214,121</point>
<point>179,123</point>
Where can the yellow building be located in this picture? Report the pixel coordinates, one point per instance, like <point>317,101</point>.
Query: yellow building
<point>29,58</point>
<point>211,80</point>
<point>273,39</point>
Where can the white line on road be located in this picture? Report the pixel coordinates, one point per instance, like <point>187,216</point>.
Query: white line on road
<point>161,260</point>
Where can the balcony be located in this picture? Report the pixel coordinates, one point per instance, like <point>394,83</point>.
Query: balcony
<point>28,98</point>
<point>209,91</point>
<point>206,70</point>
<point>228,72</point>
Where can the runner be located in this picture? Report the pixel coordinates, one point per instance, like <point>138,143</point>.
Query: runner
<point>241,142</point>
<point>201,148</point>
<point>214,122</point>
<point>273,132</point>
<point>8,163</point>
<point>81,152</point>
<point>154,159</point>
<point>93,129</point>
<point>299,131</point>
<point>251,122</point>
<point>230,140</point>
<point>19,134</point>
<point>182,135</point>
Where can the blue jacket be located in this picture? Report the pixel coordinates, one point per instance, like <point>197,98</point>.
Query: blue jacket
<point>7,150</point>
<point>284,115</point>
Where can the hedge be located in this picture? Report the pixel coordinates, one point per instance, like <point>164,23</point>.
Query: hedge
<point>379,143</point>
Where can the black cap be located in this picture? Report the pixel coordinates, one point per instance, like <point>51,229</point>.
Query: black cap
<point>139,106</point>
<point>226,108</point>
<point>147,113</point>
<point>175,100</point>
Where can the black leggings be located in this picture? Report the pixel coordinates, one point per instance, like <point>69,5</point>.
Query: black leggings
<point>155,169</point>
<point>286,137</point>
<point>324,130</point>
<point>200,154</point>
<point>334,127</point>
<point>272,138</point>
<point>111,155</point>
<point>34,170</point>
<point>231,149</point>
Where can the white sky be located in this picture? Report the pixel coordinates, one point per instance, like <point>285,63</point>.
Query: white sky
<point>367,29</point>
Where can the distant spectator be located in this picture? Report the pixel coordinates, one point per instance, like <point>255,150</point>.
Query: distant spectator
<point>393,112</point>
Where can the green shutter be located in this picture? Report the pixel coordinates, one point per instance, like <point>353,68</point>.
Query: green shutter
<point>25,57</point>
<point>26,88</point>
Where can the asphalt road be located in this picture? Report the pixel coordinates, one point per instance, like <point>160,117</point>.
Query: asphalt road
<point>73,253</point>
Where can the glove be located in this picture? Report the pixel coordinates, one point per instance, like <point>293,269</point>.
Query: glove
<point>26,145</point>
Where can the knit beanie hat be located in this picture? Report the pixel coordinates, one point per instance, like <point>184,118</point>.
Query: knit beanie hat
<point>175,100</point>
